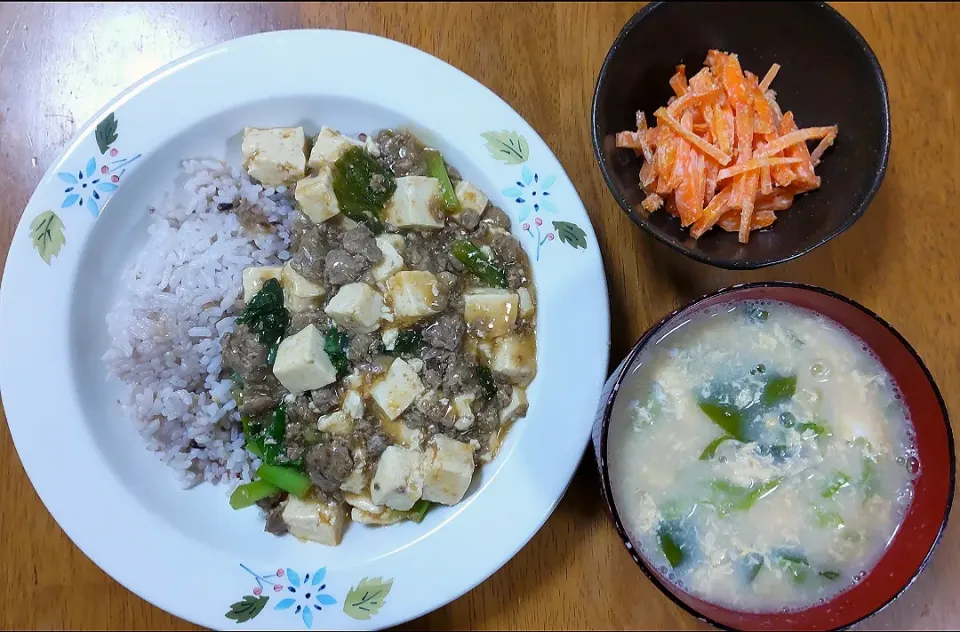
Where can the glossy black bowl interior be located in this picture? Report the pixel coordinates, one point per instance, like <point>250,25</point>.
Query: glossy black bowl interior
<point>828,76</point>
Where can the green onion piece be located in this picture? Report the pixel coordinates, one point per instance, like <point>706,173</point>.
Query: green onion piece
<point>778,389</point>
<point>711,449</point>
<point>286,478</point>
<point>436,169</point>
<point>670,545</point>
<point>829,519</point>
<point>729,418</point>
<point>479,264</point>
<point>249,493</point>
<point>795,565</point>
<point>274,434</point>
<point>253,439</point>
<point>750,566</point>
<point>831,575</point>
<point>419,510</point>
<point>838,482</point>
<point>817,429</point>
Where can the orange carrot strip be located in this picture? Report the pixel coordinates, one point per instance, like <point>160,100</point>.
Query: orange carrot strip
<point>730,222</point>
<point>647,174</point>
<point>703,81</point>
<point>748,201</point>
<point>733,80</point>
<point>799,136</point>
<point>754,164</point>
<point>806,178</point>
<point>822,147</point>
<point>769,77</point>
<point>710,186</point>
<point>693,98</point>
<point>652,202</point>
<point>664,116</point>
<point>679,81</point>
<point>628,140</point>
<point>775,202</point>
<point>717,207</point>
<point>766,182</point>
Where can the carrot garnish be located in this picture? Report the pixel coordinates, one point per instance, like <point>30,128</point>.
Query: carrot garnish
<point>722,152</point>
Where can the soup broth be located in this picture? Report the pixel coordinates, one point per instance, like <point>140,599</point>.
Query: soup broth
<point>761,456</point>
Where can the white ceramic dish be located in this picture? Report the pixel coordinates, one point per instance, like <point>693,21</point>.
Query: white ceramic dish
<point>187,551</point>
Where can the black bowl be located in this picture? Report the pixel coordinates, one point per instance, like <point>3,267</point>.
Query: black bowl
<point>828,76</point>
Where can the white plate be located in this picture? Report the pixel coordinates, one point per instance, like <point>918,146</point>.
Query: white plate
<point>187,551</point>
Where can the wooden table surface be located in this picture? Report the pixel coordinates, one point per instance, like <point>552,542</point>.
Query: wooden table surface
<point>60,63</point>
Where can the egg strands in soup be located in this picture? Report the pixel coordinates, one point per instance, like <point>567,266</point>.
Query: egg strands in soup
<point>761,457</point>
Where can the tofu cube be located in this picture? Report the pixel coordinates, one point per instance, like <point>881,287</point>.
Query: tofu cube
<point>415,204</point>
<point>315,196</point>
<point>357,307</point>
<point>526,306</point>
<point>274,156</point>
<point>299,294</point>
<point>413,294</point>
<point>516,407</point>
<point>398,482</point>
<point>254,277</point>
<point>356,483</point>
<point>490,312</point>
<point>471,197</point>
<point>447,470</point>
<point>397,390</point>
<point>401,433</point>
<point>302,364</point>
<point>328,146</point>
<point>392,261</point>
<point>353,404</point>
<point>389,335</point>
<point>397,241</point>
<point>315,519</point>
<point>463,411</point>
<point>515,357</point>
<point>337,422</point>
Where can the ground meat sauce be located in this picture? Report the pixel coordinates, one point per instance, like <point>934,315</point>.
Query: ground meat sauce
<point>448,360</point>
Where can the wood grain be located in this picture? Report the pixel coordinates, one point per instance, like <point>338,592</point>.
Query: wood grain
<point>59,63</point>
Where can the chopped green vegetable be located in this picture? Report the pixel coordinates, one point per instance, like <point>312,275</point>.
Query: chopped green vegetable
<point>266,315</point>
<point>363,187</point>
<point>728,497</point>
<point>729,418</point>
<point>668,537</point>
<point>273,436</point>
<point>286,478</point>
<point>817,429</point>
<point>831,575</point>
<point>408,341</point>
<point>479,264</point>
<point>838,482</point>
<point>419,510</point>
<point>487,385</point>
<point>254,442</point>
<point>794,564</point>
<point>335,344</point>
<point>868,478</point>
<point>829,519</point>
<point>237,379</point>
<point>778,389</point>
<point>757,314</point>
<point>436,169</point>
<point>272,353</point>
<point>249,493</point>
<point>711,449</point>
<point>750,565</point>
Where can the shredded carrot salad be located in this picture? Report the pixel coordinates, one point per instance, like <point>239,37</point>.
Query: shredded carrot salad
<point>721,153</point>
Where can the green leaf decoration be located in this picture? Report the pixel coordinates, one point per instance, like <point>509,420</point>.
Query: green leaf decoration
<point>47,234</point>
<point>247,608</point>
<point>571,234</point>
<point>366,599</point>
<point>506,146</point>
<point>106,133</point>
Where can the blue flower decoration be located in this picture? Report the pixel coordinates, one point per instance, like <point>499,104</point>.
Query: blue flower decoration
<point>532,193</point>
<point>83,187</point>
<point>306,594</point>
